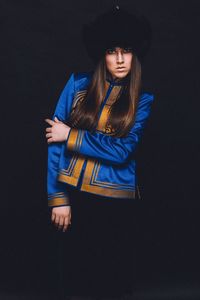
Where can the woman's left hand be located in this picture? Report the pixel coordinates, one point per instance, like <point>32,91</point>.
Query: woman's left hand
<point>58,132</point>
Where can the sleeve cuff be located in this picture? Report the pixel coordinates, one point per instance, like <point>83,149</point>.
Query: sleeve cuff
<point>74,140</point>
<point>58,200</point>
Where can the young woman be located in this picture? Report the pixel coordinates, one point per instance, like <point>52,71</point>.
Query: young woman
<point>92,138</point>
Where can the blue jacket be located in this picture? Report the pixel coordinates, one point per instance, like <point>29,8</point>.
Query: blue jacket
<point>98,162</point>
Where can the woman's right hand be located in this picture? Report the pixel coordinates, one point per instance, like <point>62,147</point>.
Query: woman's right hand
<point>61,217</point>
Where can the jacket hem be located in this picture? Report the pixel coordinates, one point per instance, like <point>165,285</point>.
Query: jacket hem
<point>107,191</point>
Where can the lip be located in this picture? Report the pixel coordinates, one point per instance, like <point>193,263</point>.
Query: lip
<point>120,68</point>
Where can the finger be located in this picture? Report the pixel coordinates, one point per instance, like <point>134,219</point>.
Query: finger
<point>50,122</point>
<point>48,135</point>
<point>53,217</point>
<point>56,221</point>
<point>66,224</point>
<point>65,228</point>
<point>61,222</point>
<point>50,140</point>
<point>48,129</point>
<point>56,119</point>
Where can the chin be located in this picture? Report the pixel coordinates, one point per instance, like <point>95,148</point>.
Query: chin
<point>121,75</point>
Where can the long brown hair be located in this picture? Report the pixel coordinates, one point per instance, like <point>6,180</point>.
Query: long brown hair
<point>122,112</point>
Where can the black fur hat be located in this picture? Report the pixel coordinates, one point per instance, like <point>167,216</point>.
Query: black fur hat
<point>119,28</point>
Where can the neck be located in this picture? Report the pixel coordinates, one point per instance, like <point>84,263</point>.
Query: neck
<point>117,80</point>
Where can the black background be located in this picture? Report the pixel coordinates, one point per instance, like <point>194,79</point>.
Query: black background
<point>40,47</point>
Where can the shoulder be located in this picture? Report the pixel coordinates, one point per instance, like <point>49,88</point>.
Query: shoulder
<point>146,98</point>
<point>146,95</point>
<point>82,80</point>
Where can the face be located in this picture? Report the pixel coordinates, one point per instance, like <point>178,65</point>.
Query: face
<point>118,61</point>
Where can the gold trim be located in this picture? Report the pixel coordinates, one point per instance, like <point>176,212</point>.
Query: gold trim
<point>72,138</point>
<point>107,191</point>
<point>69,170</point>
<point>75,139</point>
<point>79,139</point>
<point>103,118</point>
<point>78,167</point>
<point>88,171</point>
<point>67,179</point>
<point>113,95</point>
<point>55,201</point>
<point>104,183</point>
<point>88,184</point>
<point>73,177</point>
<point>106,109</point>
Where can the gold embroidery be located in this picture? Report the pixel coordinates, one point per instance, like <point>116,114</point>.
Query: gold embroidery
<point>71,165</point>
<point>58,199</point>
<point>73,177</point>
<point>75,139</point>
<point>113,95</point>
<point>103,118</point>
<point>107,191</point>
<point>88,184</point>
<point>109,129</point>
<point>106,109</point>
<point>71,142</point>
<point>79,139</point>
<point>88,171</point>
<point>78,168</point>
<point>104,183</point>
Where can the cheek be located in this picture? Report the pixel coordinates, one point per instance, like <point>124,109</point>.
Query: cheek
<point>129,61</point>
<point>109,62</point>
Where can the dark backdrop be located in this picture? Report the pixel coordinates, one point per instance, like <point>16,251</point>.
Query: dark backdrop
<point>40,47</point>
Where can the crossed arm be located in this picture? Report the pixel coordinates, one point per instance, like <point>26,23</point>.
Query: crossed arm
<point>98,145</point>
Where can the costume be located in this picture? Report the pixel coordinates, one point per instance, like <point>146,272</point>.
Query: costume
<point>95,173</point>
<point>94,162</point>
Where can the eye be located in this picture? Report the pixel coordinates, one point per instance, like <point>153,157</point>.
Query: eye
<point>128,50</point>
<point>110,51</point>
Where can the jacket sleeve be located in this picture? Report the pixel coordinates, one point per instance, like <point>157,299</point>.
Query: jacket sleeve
<point>107,148</point>
<point>57,191</point>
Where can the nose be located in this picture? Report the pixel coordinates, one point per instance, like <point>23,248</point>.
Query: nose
<point>119,57</point>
